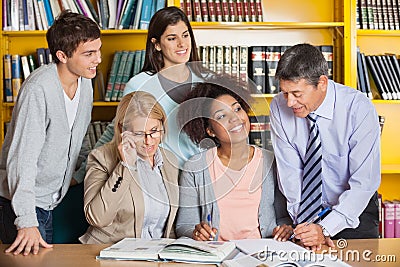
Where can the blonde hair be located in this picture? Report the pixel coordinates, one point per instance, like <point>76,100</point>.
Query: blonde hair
<point>133,105</point>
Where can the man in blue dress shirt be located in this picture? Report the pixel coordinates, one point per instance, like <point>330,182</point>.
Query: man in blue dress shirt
<point>349,134</point>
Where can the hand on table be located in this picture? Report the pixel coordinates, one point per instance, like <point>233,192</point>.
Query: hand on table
<point>282,232</point>
<point>27,241</point>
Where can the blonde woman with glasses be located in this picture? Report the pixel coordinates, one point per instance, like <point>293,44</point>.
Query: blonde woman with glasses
<point>131,187</point>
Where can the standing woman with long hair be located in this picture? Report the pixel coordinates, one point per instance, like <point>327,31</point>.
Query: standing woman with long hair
<point>167,75</point>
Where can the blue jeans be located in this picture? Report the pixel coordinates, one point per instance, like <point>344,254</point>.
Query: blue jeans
<point>8,231</point>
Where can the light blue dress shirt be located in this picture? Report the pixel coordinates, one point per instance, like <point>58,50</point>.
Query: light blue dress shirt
<point>155,196</point>
<point>349,130</point>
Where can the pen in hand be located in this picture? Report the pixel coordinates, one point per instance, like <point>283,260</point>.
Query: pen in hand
<point>313,220</point>
<point>213,236</point>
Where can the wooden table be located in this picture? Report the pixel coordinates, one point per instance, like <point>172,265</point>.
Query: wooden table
<point>77,255</point>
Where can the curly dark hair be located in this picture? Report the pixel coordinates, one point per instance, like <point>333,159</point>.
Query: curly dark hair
<point>194,112</point>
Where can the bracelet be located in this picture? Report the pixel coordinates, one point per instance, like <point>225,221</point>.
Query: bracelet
<point>132,168</point>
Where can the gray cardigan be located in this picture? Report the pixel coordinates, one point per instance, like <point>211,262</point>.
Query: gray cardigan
<point>197,198</point>
<point>40,150</point>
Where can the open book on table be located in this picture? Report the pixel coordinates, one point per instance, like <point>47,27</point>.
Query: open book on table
<point>182,249</point>
<point>269,252</point>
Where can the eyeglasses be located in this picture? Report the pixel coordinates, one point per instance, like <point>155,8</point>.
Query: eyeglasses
<point>143,135</point>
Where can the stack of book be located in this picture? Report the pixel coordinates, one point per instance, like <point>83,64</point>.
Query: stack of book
<point>378,14</point>
<point>30,15</point>
<point>389,218</point>
<point>223,10</point>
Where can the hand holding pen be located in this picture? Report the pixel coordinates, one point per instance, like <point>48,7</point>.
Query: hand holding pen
<point>204,231</point>
<point>310,234</point>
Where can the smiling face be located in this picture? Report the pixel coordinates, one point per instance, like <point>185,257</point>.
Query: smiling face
<point>229,122</point>
<point>174,44</point>
<point>302,97</point>
<point>84,60</point>
<point>146,144</point>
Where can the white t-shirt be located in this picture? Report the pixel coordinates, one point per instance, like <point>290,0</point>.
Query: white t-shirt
<point>71,105</point>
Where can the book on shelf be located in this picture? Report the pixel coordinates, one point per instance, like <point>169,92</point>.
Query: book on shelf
<point>396,69</point>
<point>327,51</point>
<point>16,75</point>
<point>182,250</point>
<point>243,63</point>
<point>258,68</point>
<point>361,84</point>
<point>260,132</point>
<point>366,75</point>
<point>7,86</point>
<point>197,11</point>
<point>25,66</point>
<point>272,57</point>
<point>388,217</point>
<point>396,204</point>
<point>393,76</point>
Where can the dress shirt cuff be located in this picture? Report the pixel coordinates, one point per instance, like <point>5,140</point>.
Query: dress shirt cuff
<point>334,222</point>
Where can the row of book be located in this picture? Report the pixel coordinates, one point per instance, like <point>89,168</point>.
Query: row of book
<point>389,218</point>
<point>17,68</point>
<point>378,14</point>
<point>378,76</point>
<point>125,65</point>
<point>223,10</point>
<point>20,15</point>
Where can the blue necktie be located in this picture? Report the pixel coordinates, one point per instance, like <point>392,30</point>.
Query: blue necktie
<point>311,192</point>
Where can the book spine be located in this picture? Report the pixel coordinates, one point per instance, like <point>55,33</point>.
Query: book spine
<point>218,10</point>
<point>239,12</point>
<point>235,62</point>
<point>211,10</point>
<point>31,62</point>
<point>381,24</point>
<point>259,10</point>
<point>219,59</point>
<point>16,75</point>
<point>225,10</point>
<point>25,66</point>
<point>385,15</point>
<point>232,10</point>
<point>197,11</point>
<point>380,210</point>
<point>127,15</point>
<point>243,63</point>
<point>396,67</point>
<point>227,59</point>
<point>375,14</point>
<point>49,14</point>
<point>145,15</point>
<point>393,75</point>
<point>396,218</point>
<point>204,10</point>
<point>8,97</point>
<point>188,12</point>
<point>389,219</point>
<point>367,82</point>
<point>370,15</point>
<point>386,76</point>
<point>43,15</point>
<point>246,12</point>
<point>212,58</point>
<point>258,67</point>
<point>14,15</point>
<point>360,74</point>
<point>253,13</point>
<point>272,57</point>
<point>203,50</point>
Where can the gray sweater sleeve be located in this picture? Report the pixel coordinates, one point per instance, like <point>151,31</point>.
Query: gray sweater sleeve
<point>189,212</point>
<point>106,137</point>
<point>24,151</point>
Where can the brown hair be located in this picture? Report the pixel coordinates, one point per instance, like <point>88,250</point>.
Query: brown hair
<point>68,31</point>
<point>154,60</point>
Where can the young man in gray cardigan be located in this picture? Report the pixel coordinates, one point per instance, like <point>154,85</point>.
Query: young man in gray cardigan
<point>49,121</point>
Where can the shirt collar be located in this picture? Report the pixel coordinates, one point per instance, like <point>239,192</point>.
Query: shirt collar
<point>158,158</point>
<point>326,108</point>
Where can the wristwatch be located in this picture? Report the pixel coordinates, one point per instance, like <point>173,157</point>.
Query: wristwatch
<point>324,231</point>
